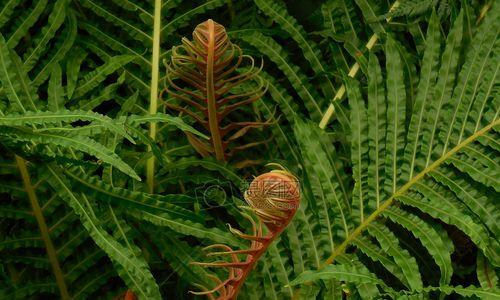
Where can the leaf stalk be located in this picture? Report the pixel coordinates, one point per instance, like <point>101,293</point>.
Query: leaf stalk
<point>153,99</point>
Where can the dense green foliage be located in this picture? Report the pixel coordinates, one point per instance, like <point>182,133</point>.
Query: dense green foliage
<point>387,112</point>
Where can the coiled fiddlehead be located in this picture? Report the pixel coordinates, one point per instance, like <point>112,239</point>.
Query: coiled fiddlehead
<point>203,74</point>
<point>274,197</point>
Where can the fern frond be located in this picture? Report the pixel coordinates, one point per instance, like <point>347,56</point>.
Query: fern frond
<point>274,197</point>
<point>178,21</point>
<point>62,45</point>
<point>84,144</point>
<point>389,243</point>
<point>142,201</point>
<point>29,289</point>
<point>95,77</point>
<point>299,82</point>
<point>435,241</point>
<point>486,274</point>
<point>376,253</point>
<point>55,90</point>
<point>489,294</point>
<point>73,64</point>
<point>133,269</point>
<point>411,8</point>
<point>66,116</point>
<point>369,10</point>
<point>159,117</point>
<point>55,20</point>
<point>134,30</point>
<point>7,10</point>
<point>323,187</point>
<point>395,118</point>
<point>297,33</point>
<point>448,152</point>
<point>359,149</point>
<point>470,194</point>
<point>27,19</point>
<point>348,273</point>
<point>207,67</point>
<point>428,77</point>
<point>14,80</point>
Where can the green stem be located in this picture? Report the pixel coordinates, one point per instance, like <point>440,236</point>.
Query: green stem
<point>153,100</point>
<point>51,252</point>
<point>386,204</point>
<point>352,72</point>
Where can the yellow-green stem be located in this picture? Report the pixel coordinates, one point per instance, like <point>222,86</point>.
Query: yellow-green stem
<point>352,72</point>
<point>342,247</point>
<point>403,190</point>
<point>44,231</point>
<point>153,100</point>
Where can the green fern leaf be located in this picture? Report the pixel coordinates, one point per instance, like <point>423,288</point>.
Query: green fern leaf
<point>411,8</point>
<point>486,274</point>
<point>132,269</point>
<point>395,118</point>
<point>14,80</point>
<point>7,10</point>
<point>95,77</point>
<point>55,90</point>
<point>66,116</point>
<point>159,117</point>
<point>376,253</point>
<point>83,144</point>
<point>140,201</point>
<point>297,32</point>
<point>55,20</point>
<point>73,64</point>
<point>428,77</point>
<point>475,198</point>
<point>376,132</point>
<point>439,245</point>
<point>359,148</point>
<point>390,244</point>
<point>275,52</point>
<point>57,52</point>
<point>25,22</point>
<point>342,272</point>
<point>185,17</point>
<point>132,29</point>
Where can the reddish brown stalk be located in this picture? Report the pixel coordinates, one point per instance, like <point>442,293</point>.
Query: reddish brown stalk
<point>203,74</point>
<point>127,295</point>
<point>274,197</point>
<point>213,119</point>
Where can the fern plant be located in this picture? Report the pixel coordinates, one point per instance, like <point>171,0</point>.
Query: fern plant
<point>274,197</point>
<point>209,64</point>
<point>428,171</point>
<point>387,112</point>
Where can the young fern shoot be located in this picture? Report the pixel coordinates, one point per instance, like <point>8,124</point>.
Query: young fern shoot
<point>274,197</point>
<point>204,75</point>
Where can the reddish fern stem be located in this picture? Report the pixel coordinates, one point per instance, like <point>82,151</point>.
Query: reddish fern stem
<point>205,75</point>
<point>274,197</point>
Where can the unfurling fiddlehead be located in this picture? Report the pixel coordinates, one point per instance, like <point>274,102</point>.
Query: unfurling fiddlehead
<point>274,197</point>
<point>204,74</point>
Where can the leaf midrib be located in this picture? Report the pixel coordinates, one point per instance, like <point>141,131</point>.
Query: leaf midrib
<point>61,9</point>
<point>404,189</point>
